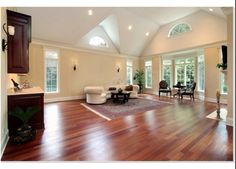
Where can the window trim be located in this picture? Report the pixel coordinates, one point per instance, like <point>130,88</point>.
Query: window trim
<point>222,76</point>
<point>129,64</point>
<point>171,71</point>
<point>184,64</point>
<point>173,27</point>
<point>148,87</point>
<point>58,68</point>
<point>197,64</point>
<point>98,45</point>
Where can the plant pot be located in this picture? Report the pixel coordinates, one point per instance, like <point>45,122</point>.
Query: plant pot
<point>120,90</point>
<point>24,134</point>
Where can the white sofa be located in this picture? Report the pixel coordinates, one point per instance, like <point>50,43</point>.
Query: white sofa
<point>99,94</point>
<point>95,94</point>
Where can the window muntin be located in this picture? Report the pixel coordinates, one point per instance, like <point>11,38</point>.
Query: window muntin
<point>98,41</point>
<point>179,29</point>
<point>129,66</point>
<point>51,71</point>
<point>148,74</point>
<point>201,73</point>
<point>184,70</point>
<point>167,71</point>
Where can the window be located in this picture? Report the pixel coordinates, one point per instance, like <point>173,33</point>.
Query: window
<point>223,86</point>
<point>51,71</point>
<point>179,29</point>
<point>184,71</point>
<point>98,41</point>
<point>148,74</point>
<point>167,71</point>
<point>201,73</point>
<point>129,72</point>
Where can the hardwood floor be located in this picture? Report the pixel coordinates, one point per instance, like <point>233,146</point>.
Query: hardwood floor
<point>175,132</point>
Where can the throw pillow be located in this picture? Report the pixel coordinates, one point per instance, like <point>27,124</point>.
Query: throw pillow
<point>129,88</point>
<point>112,88</point>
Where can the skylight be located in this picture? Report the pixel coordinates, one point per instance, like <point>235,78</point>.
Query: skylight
<point>98,41</point>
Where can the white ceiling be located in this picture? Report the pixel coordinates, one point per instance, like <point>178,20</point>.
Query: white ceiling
<point>74,27</point>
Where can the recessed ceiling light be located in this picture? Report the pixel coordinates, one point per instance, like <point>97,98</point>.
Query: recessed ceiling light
<point>90,12</point>
<point>130,27</point>
<point>147,33</point>
<point>210,9</point>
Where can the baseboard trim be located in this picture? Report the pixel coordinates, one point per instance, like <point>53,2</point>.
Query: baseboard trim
<point>224,101</point>
<point>59,99</point>
<point>150,92</point>
<point>4,143</point>
<point>229,121</point>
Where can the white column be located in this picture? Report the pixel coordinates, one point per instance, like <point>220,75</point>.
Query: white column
<point>230,66</point>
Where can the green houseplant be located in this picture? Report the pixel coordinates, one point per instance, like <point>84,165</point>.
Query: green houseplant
<point>222,65</point>
<point>24,132</point>
<point>139,79</point>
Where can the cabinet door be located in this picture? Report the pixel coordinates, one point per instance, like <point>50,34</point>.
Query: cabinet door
<point>25,101</point>
<point>18,45</point>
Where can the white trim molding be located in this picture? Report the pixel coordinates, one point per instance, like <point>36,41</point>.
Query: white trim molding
<point>229,121</point>
<point>59,99</point>
<point>224,101</point>
<point>4,142</point>
<point>49,44</point>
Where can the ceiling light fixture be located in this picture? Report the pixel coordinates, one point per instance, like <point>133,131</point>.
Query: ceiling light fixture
<point>90,12</point>
<point>210,9</point>
<point>130,27</point>
<point>147,33</point>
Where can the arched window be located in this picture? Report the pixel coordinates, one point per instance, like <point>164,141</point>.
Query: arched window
<point>98,41</point>
<point>179,29</point>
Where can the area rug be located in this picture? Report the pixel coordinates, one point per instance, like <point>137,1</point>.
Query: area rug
<point>111,110</point>
<point>223,115</point>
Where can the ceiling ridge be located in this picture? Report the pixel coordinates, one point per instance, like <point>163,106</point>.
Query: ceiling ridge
<point>117,49</point>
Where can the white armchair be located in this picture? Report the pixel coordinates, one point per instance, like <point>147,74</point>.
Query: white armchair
<point>95,95</point>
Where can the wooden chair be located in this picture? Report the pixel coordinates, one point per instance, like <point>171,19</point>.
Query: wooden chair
<point>189,91</point>
<point>163,88</point>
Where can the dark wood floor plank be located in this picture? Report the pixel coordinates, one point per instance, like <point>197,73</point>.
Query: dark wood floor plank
<point>178,131</point>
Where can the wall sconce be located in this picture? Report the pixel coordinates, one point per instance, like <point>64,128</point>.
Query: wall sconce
<point>74,67</point>
<point>10,32</point>
<point>118,69</point>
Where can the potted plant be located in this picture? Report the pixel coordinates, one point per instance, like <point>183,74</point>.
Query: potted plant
<point>139,79</point>
<point>25,132</point>
<point>222,65</point>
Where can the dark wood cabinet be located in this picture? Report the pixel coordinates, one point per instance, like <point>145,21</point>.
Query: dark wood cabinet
<point>18,45</point>
<point>24,101</point>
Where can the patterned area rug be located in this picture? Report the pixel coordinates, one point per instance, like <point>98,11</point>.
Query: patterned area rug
<point>111,110</point>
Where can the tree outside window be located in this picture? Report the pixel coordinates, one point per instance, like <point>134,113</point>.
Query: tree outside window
<point>51,71</point>
<point>184,71</point>
<point>167,71</point>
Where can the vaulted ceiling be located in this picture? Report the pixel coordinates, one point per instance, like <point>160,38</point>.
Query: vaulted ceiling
<point>74,27</point>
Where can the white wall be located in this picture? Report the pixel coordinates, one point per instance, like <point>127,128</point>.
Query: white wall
<point>230,67</point>
<point>93,69</point>
<point>3,86</point>
<point>206,29</point>
<point>211,54</point>
<point>212,73</point>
